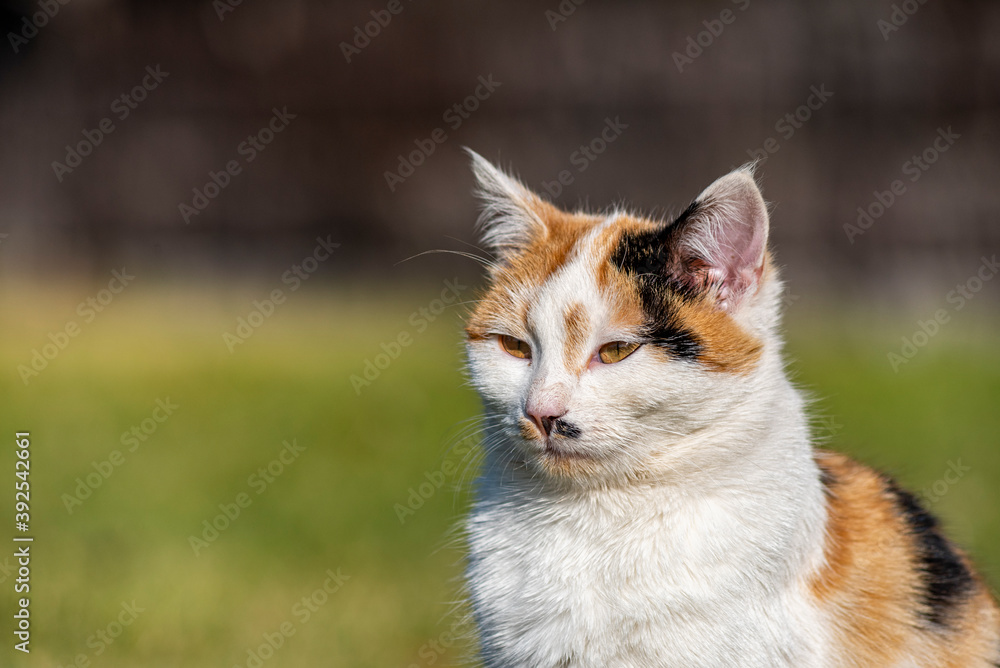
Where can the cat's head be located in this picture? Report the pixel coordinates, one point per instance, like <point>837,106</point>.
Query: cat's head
<point>606,345</point>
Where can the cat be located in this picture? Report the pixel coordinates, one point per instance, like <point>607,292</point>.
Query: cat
<point>650,494</point>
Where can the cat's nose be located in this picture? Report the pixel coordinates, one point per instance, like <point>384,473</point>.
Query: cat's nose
<point>544,417</point>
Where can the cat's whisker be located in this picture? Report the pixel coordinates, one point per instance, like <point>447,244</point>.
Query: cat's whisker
<point>471,245</point>
<point>489,264</point>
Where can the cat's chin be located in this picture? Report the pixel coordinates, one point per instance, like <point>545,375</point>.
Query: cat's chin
<point>567,467</point>
<point>554,459</point>
<point>557,450</point>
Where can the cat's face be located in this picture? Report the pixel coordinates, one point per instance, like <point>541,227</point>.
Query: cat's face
<point>604,342</point>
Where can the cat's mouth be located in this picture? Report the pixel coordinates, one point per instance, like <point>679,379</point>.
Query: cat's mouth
<point>556,452</point>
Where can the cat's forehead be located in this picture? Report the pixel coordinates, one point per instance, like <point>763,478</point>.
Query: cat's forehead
<point>565,273</point>
<point>569,240</point>
<point>585,286</point>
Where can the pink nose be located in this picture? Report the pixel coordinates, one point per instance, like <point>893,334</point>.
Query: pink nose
<point>544,416</point>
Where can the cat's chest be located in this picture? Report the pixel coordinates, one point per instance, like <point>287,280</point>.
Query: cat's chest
<point>575,587</point>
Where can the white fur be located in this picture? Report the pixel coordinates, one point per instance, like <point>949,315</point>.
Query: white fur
<point>689,547</point>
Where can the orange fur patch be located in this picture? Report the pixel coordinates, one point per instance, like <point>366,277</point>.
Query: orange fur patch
<point>544,255</point>
<point>866,574</point>
<point>725,346</point>
<point>576,324</point>
<point>529,431</point>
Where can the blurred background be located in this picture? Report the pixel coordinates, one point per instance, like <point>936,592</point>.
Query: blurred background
<point>209,217</point>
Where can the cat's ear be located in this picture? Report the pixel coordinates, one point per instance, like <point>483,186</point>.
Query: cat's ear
<point>510,218</point>
<point>718,245</point>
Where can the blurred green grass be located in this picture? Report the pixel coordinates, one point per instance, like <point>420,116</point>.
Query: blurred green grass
<point>334,507</point>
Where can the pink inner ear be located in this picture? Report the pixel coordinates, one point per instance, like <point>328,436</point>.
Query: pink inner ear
<point>726,239</point>
<point>740,245</point>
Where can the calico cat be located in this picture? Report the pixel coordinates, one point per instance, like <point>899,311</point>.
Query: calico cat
<point>651,496</point>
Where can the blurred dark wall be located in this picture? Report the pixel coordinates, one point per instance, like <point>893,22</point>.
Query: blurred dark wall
<point>325,173</point>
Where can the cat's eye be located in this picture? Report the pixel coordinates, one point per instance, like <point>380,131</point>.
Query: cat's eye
<point>515,347</point>
<point>616,351</point>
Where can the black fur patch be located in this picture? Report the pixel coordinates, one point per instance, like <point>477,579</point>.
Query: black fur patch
<point>828,480</point>
<point>566,429</point>
<point>647,257</point>
<point>946,580</point>
<point>662,327</point>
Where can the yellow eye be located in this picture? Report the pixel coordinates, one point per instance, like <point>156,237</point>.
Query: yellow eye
<point>515,347</point>
<point>616,351</point>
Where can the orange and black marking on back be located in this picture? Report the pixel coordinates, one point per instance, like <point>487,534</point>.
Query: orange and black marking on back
<point>894,585</point>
